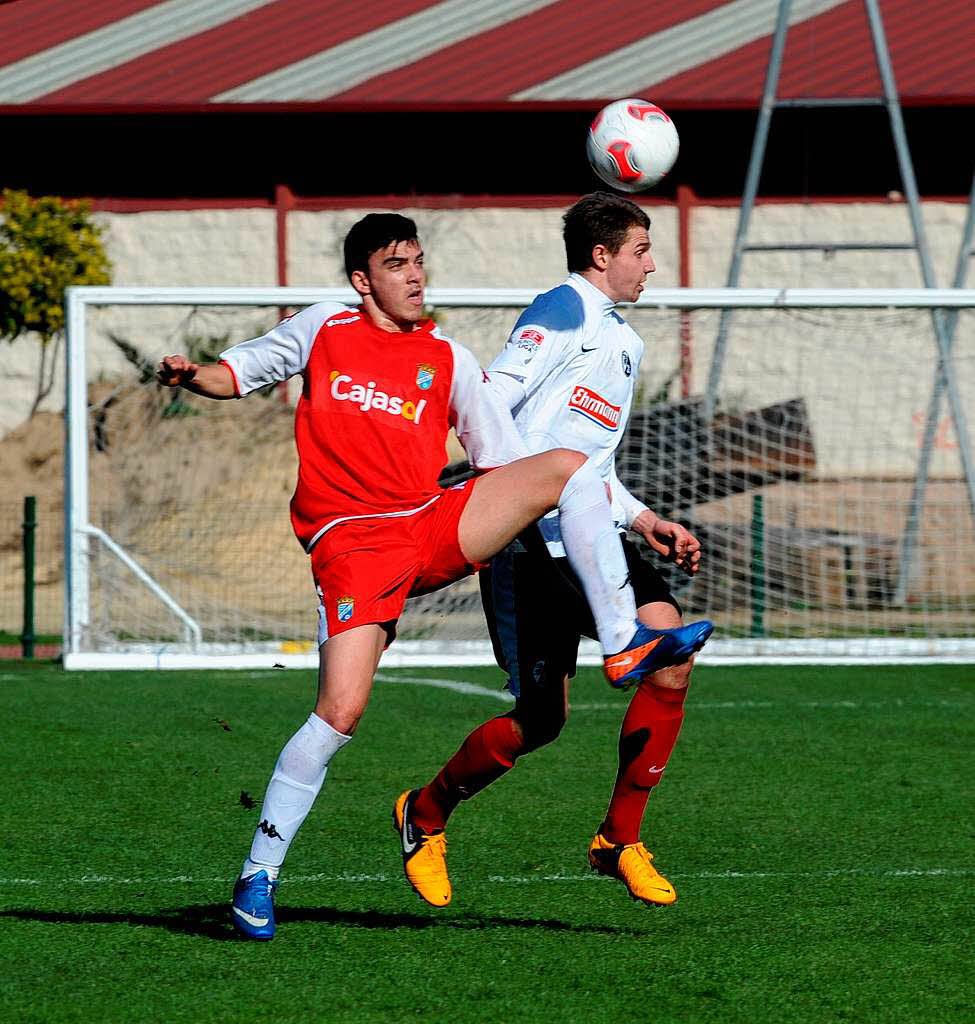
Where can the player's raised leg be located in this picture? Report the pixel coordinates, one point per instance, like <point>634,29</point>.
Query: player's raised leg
<point>506,500</point>
<point>346,666</point>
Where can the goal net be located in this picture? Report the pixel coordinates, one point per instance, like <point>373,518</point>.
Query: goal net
<point>821,451</point>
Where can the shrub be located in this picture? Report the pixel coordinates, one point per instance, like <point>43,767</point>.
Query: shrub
<point>46,245</point>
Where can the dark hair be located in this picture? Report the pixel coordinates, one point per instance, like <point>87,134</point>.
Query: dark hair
<point>374,232</point>
<point>598,219</point>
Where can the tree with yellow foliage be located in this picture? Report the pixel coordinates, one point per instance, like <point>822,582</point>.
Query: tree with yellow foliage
<point>46,245</point>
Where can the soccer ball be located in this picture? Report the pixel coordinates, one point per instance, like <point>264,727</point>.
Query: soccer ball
<point>632,144</point>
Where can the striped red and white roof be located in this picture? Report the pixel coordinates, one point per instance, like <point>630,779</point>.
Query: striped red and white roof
<point>434,53</point>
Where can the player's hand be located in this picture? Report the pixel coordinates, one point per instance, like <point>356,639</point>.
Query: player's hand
<point>672,541</point>
<point>174,371</point>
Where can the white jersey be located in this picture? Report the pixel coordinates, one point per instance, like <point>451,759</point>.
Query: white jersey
<point>576,361</point>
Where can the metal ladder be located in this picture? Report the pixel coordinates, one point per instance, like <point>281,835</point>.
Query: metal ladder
<point>944,325</point>
<point>944,380</point>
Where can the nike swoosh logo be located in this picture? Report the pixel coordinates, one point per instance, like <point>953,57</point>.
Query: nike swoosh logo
<point>408,847</point>
<point>257,922</point>
<point>616,665</point>
<point>591,349</point>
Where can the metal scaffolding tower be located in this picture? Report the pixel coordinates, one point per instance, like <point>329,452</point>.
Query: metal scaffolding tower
<point>944,380</point>
<point>944,325</point>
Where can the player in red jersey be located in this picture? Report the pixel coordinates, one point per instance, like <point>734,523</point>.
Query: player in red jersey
<point>381,388</point>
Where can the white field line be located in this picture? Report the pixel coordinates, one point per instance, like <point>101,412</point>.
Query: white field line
<point>456,685</point>
<point>459,686</point>
<point>351,878</point>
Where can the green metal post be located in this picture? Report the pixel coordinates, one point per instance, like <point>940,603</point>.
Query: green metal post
<point>30,528</point>
<point>758,566</point>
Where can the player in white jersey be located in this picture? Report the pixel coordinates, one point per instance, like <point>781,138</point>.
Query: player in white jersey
<point>568,373</point>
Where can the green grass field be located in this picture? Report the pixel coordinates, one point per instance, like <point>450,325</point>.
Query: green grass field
<point>819,825</point>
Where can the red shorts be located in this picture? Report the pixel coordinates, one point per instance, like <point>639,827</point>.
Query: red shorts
<point>365,569</point>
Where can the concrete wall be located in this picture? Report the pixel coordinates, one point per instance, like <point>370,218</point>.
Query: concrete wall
<point>851,372</point>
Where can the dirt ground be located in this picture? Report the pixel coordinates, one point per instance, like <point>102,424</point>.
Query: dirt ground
<point>229,457</point>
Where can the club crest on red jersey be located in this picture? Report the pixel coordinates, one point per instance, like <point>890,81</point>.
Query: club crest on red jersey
<point>344,607</point>
<point>595,408</point>
<point>424,376</point>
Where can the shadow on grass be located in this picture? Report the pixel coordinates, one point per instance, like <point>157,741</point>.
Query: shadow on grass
<point>212,920</point>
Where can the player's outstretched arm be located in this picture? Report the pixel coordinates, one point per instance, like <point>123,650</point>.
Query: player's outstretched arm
<point>212,380</point>
<point>671,540</point>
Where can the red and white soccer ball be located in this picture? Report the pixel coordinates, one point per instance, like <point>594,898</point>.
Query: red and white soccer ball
<point>632,144</point>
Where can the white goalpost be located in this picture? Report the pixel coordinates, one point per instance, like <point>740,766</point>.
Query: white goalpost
<point>836,527</point>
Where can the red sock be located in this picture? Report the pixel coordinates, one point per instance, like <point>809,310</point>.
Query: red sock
<point>489,751</point>
<point>647,737</point>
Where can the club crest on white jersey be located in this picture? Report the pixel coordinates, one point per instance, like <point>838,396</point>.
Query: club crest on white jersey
<point>528,339</point>
<point>595,408</point>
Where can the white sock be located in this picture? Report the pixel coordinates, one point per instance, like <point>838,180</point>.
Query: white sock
<point>295,783</point>
<point>592,544</point>
<point>250,868</point>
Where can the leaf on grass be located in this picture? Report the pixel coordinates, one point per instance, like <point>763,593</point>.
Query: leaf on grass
<point>246,800</point>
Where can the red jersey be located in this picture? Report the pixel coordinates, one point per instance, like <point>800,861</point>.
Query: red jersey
<point>375,408</point>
